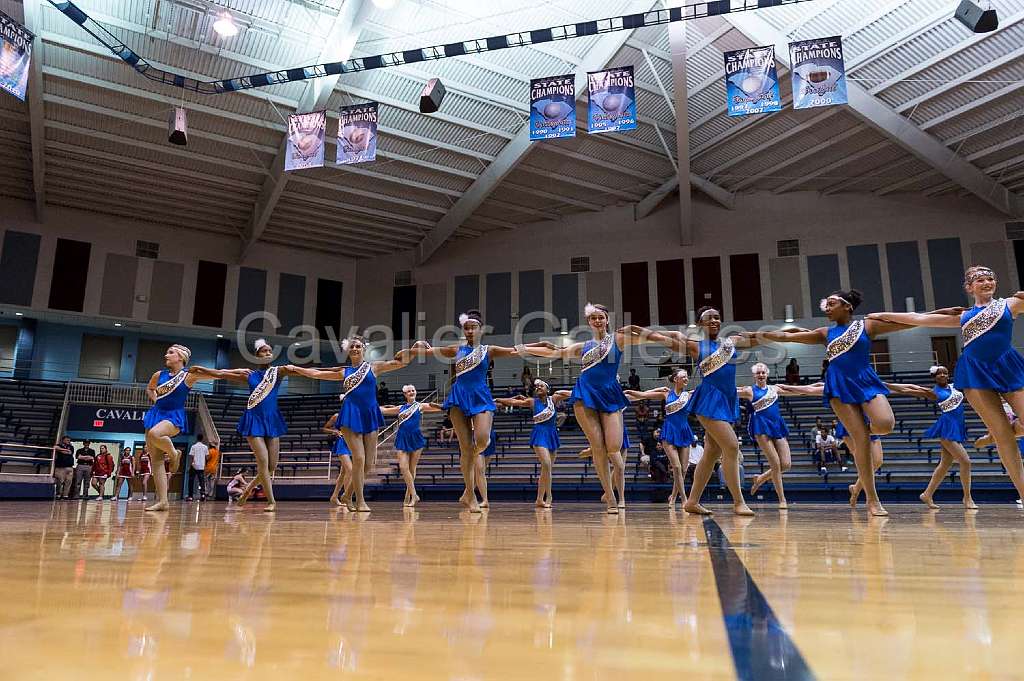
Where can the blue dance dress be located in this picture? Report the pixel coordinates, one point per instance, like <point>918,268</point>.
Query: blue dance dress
<point>676,430</point>
<point>850,377</point>
<point>340,448</point>
<point>715,397</point>
<point>545,425</point>
<point>261,417</point>
<point>171,391</point>
<point>409,437</point>
<point>598,385</point>
<point>766,418</point>
<point>951,424</point>
<point>359,411</point>
<point>841,431</point>
<point>469,390</point>
<point>989,361</point>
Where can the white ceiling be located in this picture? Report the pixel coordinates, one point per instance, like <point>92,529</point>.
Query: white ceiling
<point>101,129</point>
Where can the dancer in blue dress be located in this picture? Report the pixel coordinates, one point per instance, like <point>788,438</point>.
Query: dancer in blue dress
<point>409,440</point>
<point>950,429</point>
<point>261,423</point>
<point>470,404</point>
<point>851,387</point>
<point>344,454</point>
<point>768,428</point>
<point>168,389</point>
<point>544,436</point>
<point>359,418</point>
<point>989,367</point>
<point>597,397</point>
<point>676,435</point>
<point>715,404</point>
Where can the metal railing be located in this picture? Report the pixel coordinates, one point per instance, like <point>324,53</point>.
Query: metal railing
<point>230,462</point>
<point>28,455</point>
<point>122,394</point>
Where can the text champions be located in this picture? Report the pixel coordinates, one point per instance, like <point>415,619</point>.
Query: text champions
<point>756,58</point>
<point>817,51</point>
<point>565,85</point>
<point>359,114</point>
<point>609,79</point>
<point>15,34</point>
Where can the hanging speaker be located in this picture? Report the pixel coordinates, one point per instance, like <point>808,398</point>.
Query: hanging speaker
<point>431,97</point>
<point>177,128</point>
<point>975,18</point>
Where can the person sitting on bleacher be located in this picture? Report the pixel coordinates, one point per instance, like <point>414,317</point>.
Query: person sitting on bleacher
<point>446,431</point>
<point>824,447</point>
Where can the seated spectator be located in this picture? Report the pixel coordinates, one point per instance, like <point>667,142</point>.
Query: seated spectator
<point>236,485</point>
<point>824,448</point>
<point>696,454</point>
<point>652,455</point>
<point>102,469</point>
<point>526,380</point>
<point>642,410</point>
<point>382,393</point>
<point>446,432</point>
<point>634,380</point>
<point>793,372</point>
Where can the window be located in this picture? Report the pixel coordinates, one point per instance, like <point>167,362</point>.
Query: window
<point>788,247</point>
<point>147,249</point>
<point>579,263</point>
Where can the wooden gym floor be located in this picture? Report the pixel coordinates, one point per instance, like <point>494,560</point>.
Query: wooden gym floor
<point>100,590</point>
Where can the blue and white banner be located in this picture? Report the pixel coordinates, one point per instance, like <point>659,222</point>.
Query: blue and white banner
<point>553,107</point>
<point>819,73</point>
<point>751,81</point>
<point>612,106</point>
<point>15,55</point>
<point>306,140</point>
<point>357,133</point>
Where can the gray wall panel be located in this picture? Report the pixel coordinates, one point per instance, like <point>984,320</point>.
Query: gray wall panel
<point>467,293</point>
<point>165,292</point>
<point>18,263</point>
<point>117,297</point>
<point>252,295</point>
<point>947,265</point>
<point>823,273</point>
<point>600,289</point>
<point>565,298</point>
<point>100,357</point>
<point>904,261</point>
<point>994,255</point>
<point>435,298</point>
<point>866,275</point>
<point>786,289</point>
<point>499,301</point>
<point>291,301</point>
<point>531,298</point>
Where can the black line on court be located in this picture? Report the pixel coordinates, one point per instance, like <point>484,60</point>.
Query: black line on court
<point>761,648</point>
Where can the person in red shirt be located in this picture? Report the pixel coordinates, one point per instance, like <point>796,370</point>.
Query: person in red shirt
<point>145,471</point>
<point>101,470</point>
<point>125,472</point>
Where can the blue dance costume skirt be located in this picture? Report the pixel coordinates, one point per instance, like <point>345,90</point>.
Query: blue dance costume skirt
<point>175,417</point>
<point>341,448</point>
<point>546,438</point>
<point>711,403</point>
<point>409,440</point>
<point>857,388</point>
<point>949,426</point>
<point>359,418</point>
<point>470,401</point>
<point>677,433</point>
<point>771,425</point>
<point>603,397</point>
<point>253,424</point>
<point>1005,374</point>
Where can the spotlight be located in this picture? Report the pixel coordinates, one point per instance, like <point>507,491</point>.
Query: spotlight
<point>19,314</point>
<point>225,26</point>
<point>220,335</point>
<point>975,18</point>
<point>431,97</point>
<point>117,324</point>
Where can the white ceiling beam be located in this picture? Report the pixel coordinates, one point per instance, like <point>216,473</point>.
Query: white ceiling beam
<point>906,182</point>
<point>604,49</point>
<point>883,170</point>
<point>755,151</point>
<point>337,46</point>
<point>540,193</point>
<point>886,120</point>
<point>36,107</point>
<point>623,193</point>
<point>1011,89</point>
<point>828,168</point>
<point>987,67</point>
<point>367,194</point>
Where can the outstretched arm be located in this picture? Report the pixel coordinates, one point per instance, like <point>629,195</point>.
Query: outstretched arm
<point>514,401</point>
<point>390,411</point>
<point>745,393</point>
<point>431,407</point>
<point>237,375</point>
<point>546,350</point>
<point>812,390</point>
<point>655,394</point>
<point>911,390</point>
<point>944,321</point>
<point>336,374</point>
<point>815,337</point>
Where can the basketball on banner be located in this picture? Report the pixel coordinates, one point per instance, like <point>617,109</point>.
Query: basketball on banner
<point>15,55</point>
<point>553,107</point>
<point>357,133</point>
<point>819,73</point>
<point>751,81</point>
<point>612,106</point>
<point>306,140</point>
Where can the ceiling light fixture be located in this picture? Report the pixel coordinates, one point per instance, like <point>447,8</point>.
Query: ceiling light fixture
<point>225,26</point>
<point>117,324</point>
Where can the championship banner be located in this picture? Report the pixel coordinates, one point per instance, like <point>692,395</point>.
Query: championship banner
<point>751,81</point>
<point>819,74</point>
<point>612,105</point>
<point>553,107</point>
<point>357,133</point>
<point>306,140</point>
<point>15,54</point>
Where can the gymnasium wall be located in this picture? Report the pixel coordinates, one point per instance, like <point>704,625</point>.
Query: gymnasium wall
<point>79,263</point>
